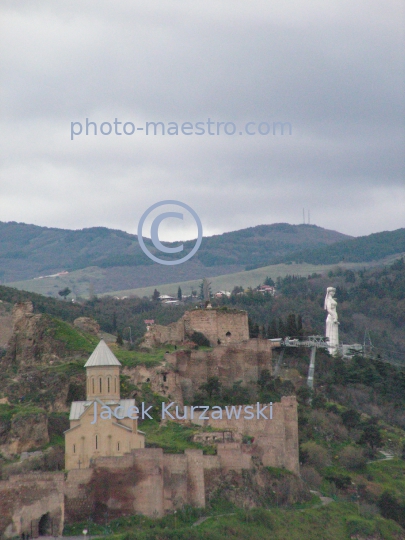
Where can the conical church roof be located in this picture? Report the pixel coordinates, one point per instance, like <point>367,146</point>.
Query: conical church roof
<point>102,356</point>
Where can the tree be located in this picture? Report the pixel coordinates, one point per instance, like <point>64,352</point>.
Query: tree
<point>291,326</point>
<point>64,292</point>
<point>179,294</point>
<point>272,331</point>
<point>351,418</point>
<point>205,290</point>
<point>237,289</point>
<point>269,281</point>
<point>299,325</point>
<point>371,436</point>
<point>254,329</point>
<point>119,340</point>
<point>281,329</point>
<point>156,295</point>
<point>211,387</point>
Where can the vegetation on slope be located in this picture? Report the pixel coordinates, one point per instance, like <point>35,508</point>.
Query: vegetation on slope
<point>372,247</point>
<point>27,251</point>
<point>337,521</point>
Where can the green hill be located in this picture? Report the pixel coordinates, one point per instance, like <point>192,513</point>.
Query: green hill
<point>112,259</point>
<point>362,249</point>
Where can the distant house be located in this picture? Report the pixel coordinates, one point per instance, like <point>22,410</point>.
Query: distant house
<point>149,323</point>
<point>266,289</point>
<point>165,297</point>
<point>220,294</point>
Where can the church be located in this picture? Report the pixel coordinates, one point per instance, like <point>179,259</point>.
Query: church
<point>117,435</point>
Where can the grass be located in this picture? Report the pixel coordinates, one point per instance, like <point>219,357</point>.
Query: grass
<point>152,358</point>
<point>137,358</point>
<point>172,437</point>
<point>72,339</point>
<point>390,475</point>
<point>250,278</point>
<point>337,521</point>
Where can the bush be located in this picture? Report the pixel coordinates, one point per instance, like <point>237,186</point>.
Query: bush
<point>391,508</point>
<point>315,455</point>
<point>340,481</point>
<point>352,458</point>
<point>359,526</point>
<point>311,477</point>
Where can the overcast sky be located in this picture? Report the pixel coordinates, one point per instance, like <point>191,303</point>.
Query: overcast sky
<point>333,69</point>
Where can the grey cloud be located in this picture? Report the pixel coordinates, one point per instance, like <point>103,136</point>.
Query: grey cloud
<point>334,70</point>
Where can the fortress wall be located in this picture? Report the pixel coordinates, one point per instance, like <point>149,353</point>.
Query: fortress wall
<point>232,458</point>
<point>216,324</point>
<point>158,334</point>
<point>25,498</point>
<point>78,504</point>
<point>236,362</point>
<point>175,489</point>
<point>195,477</point>
<point>291,433</point>
<point>211,462</point>
<point>276,440</point>
<point>148,492</point>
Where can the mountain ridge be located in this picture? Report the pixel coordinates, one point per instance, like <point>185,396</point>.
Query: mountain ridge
<point>28,252</point>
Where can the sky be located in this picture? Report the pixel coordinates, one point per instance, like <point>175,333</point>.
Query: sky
<point>334,71</point>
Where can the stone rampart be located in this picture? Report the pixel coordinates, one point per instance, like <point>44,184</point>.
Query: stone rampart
<point>29,503</point>
<point>220,327</point>
<point>276,439</point>
<point>215,324</point>
<point>243,361</point>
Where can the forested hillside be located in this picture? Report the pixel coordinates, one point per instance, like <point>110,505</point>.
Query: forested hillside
<point>362,249</point>
<point>370,301</point>
<point>355,412</point>
<point>28,251</point>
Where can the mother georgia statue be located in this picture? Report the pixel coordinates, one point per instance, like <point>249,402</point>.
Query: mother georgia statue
<point>332,324</point>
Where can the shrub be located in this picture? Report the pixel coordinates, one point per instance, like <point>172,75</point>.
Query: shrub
<point>315,455</point>
<point>311,477</point>
<point>359,526</point>
<point>352,458</point>
<point>391,508</point>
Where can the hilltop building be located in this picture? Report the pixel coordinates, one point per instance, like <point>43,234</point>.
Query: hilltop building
<point>87,440</point>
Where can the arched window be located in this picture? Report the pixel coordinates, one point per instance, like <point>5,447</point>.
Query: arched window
<point>101,387</point>
<point>115,384</point>
<point>108,384</point>
<point>118,446</point>
<point>92,380</point>
<point>228,334</point>
<point>96,442</point>
<point>74,449</point>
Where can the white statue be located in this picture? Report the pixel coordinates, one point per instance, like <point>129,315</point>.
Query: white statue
<point>332,324</point>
